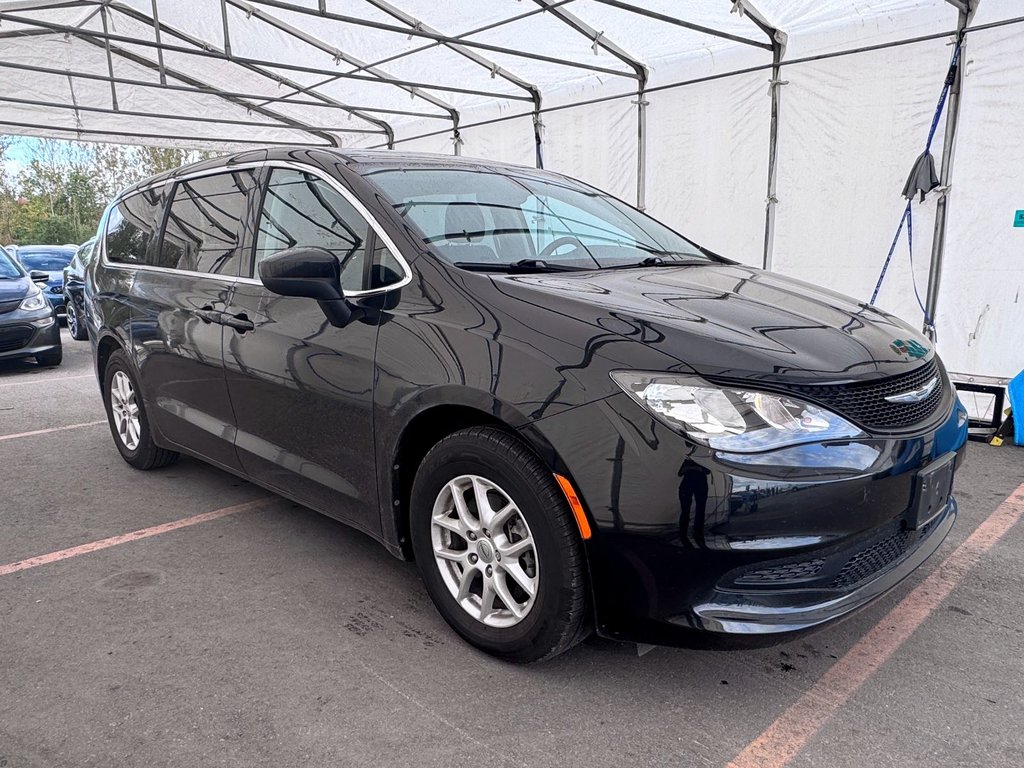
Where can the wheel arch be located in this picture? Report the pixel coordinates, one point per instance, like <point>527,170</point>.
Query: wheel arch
<point>435,414</point>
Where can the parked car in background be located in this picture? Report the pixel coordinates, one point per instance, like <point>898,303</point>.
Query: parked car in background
<point>74,277</point>
<point>570,415</point>
<point>50,259</point>
<point>28,322</point>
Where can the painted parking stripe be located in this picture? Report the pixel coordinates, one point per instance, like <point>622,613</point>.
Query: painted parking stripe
<point>48,431</point>
<point>125,538</point>
<point>45,380</point>
<point>788,735</point>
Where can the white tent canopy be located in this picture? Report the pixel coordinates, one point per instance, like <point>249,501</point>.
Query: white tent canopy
<point>777,132</point>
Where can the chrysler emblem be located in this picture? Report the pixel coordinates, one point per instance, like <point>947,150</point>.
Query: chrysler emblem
<point>915,395</point>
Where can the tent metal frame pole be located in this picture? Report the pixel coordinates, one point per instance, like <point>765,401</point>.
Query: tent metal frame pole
<point>258,69</point>
<point>204,91</point>
<point>178,118</point>
<point>777,40</point>
<point>177,138</point>
<point>946,172</point>
<point>110,60</point>
<point>683,23</point>
<point>185,78</point>
<point>205,49</point>
<point>462,35</point>
<point>156,35</point>
<point>640,72</point>
<point>468,53</point>
<point>441,38</point>
<point>339,55</point>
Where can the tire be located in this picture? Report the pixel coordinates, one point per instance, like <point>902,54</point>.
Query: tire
<point>74,320</point>
<point>122,401</point>
<point>51,359</point>
<point>540,627</point>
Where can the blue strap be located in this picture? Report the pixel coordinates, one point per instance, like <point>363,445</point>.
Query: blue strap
<point>907,217</point>
<point>950,78</point>
<point>892,250</point>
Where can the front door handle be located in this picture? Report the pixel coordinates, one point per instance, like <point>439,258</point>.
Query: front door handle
<point>207,314</point>
<point>239,322</point>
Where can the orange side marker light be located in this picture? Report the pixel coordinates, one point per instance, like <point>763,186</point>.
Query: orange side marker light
<point>577,507</point>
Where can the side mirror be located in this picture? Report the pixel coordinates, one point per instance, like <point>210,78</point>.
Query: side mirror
<point>38,276</point>
<point>310,273</point>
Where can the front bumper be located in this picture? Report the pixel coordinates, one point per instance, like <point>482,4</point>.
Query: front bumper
<point>692,546</point>
<point>21,336</point>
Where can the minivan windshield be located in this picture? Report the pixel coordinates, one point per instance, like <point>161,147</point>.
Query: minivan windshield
<point>482,219</point>
<point>8,269</point>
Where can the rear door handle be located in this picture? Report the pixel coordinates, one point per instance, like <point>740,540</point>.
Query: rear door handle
<point>239,322</point>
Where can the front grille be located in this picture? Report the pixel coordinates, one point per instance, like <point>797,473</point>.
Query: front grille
<point>865,403</point>
<point>9,306</point>
<point>56,289</point>
<point>787,572</point>
<point>14,337</point>
<point>868,562</point>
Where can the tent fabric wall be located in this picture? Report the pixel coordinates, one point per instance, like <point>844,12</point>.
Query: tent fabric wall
<point>981,299</point>
<point>861,81</point>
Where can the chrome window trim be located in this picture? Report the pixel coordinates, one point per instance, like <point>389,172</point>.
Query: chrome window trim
<point>354,201</point>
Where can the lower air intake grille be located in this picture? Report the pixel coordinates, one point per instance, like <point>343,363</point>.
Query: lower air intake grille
<point>775,574</point>
<point>15,337</point>
<point>877,557</point>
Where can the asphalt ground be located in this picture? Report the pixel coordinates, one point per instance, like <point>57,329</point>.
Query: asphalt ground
<point>273,636</point>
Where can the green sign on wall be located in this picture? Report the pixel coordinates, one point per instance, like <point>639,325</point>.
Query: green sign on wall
<point>1018,219</point>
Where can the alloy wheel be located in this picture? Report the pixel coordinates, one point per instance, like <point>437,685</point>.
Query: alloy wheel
<point>72,316</point>
<point>485,551</point>
<point>125,410</point>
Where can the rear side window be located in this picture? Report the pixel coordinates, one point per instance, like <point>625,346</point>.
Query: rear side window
<point>204,223</point>
<point>131,225</point>
<point>301,210</point>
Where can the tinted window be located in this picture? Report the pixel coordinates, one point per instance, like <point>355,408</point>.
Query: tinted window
<point>130,227</point>
<point>204,223</point>
<point>301,210</point>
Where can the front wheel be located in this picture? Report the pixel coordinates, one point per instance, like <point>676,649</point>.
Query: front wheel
<point>497,546</point>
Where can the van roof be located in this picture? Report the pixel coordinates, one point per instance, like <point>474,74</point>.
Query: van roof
<point>347,156</point>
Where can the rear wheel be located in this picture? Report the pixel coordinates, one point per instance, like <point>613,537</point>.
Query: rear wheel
<point>497,547</point>
<point>127,417</point>
<point>75,324</point>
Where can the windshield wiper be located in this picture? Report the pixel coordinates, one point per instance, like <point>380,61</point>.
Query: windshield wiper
<point>523,266</point>
<point>658,261</point>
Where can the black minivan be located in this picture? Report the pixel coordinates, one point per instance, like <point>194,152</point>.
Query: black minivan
<point>571,416</point>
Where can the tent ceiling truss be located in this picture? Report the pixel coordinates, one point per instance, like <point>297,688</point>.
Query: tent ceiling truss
<point>276,101</point>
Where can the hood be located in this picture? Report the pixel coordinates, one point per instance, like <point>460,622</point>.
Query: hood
<point>14,289</point>
<point>733,322</point>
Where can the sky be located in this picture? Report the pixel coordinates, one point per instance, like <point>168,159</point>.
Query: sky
<point>18,155</point>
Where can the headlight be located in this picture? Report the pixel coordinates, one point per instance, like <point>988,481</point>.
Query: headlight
<point>34,301</point>
<point>728,419</point>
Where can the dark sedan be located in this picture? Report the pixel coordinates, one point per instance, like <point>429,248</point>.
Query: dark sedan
<point>51,259</point>
<point>28,322</point>
<point>570,415</point>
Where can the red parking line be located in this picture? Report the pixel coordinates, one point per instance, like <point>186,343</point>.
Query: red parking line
<point>47,431</point>
<point>784,738</point>
<point>124,538</point>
